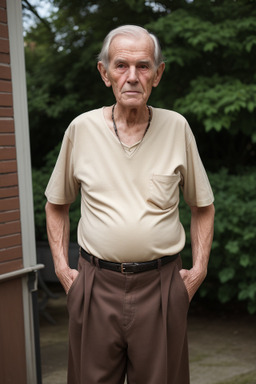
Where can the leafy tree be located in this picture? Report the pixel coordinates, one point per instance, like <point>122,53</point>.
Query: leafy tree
<point>210,50</point>
<point>210,55</point>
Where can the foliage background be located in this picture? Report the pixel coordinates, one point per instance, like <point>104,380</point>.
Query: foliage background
<point>210,53</point>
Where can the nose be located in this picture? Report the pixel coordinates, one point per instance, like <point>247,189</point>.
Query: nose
<point>132,75</point>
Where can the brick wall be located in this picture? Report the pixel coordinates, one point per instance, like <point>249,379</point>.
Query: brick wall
<point>10,227</point>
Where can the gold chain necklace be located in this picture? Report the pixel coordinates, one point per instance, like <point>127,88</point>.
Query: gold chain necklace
<point>115,127</point>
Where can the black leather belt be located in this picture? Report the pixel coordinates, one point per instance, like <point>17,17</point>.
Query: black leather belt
<point>128,267</point>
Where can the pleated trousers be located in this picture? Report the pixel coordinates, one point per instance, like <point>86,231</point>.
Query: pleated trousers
<point>134,325</point>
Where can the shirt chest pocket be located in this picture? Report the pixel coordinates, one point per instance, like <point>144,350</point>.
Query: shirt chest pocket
<point>164,190</point>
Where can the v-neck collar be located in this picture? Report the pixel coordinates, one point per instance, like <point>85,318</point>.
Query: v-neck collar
<point>129,151</point>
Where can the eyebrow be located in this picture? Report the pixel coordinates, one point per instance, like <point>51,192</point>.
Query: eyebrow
<point>145,62</point>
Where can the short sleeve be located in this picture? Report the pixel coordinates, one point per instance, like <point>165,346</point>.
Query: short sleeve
<point>63,187</point>
<point>196,187</point>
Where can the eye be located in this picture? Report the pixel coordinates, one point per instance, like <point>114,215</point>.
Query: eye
<point>121,66</point>
<point>143,67</point>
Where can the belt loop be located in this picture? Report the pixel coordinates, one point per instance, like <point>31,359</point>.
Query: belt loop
<point>92,259</point>
<point>96,262</point>
<point>159,264</point>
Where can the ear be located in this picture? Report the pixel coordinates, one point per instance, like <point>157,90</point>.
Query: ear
<point>158,75</point>
<point>104,73</point>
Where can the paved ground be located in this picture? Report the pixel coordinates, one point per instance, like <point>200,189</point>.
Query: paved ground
<point>222,345</point>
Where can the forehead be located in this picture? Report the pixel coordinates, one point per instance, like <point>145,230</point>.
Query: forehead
<point>138,48</point>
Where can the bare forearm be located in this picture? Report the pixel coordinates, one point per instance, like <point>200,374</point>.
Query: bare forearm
<point>202,227</point>
<point>57,221</point>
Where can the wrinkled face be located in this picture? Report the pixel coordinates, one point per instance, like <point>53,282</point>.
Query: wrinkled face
<point>131,71</point>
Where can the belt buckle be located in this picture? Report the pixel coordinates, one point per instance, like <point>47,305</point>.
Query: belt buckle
<point>124,266</point>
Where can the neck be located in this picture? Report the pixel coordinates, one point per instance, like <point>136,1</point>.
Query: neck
<point>131,118</point>
<point>130,134</point>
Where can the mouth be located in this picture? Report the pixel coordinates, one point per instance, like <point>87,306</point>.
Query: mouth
<point>132,92</point>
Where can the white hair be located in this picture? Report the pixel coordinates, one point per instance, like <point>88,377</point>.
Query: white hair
<point>129,30</point>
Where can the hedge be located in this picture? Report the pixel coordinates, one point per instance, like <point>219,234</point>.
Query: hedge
<point>232,267</point>
<point>40,179</point>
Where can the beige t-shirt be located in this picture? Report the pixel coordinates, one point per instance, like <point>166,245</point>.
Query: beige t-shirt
<point>129,203</point>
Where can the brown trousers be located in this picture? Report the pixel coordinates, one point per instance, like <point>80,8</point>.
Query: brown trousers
<point>128,324</point>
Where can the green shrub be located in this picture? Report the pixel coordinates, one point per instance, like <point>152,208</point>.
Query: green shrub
<point>232,266</point>
<point>40,180</point>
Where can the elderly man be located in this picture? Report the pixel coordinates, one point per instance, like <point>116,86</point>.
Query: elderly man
<point>128,303</point>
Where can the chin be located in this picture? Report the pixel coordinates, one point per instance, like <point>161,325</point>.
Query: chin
<point>132,103</point>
